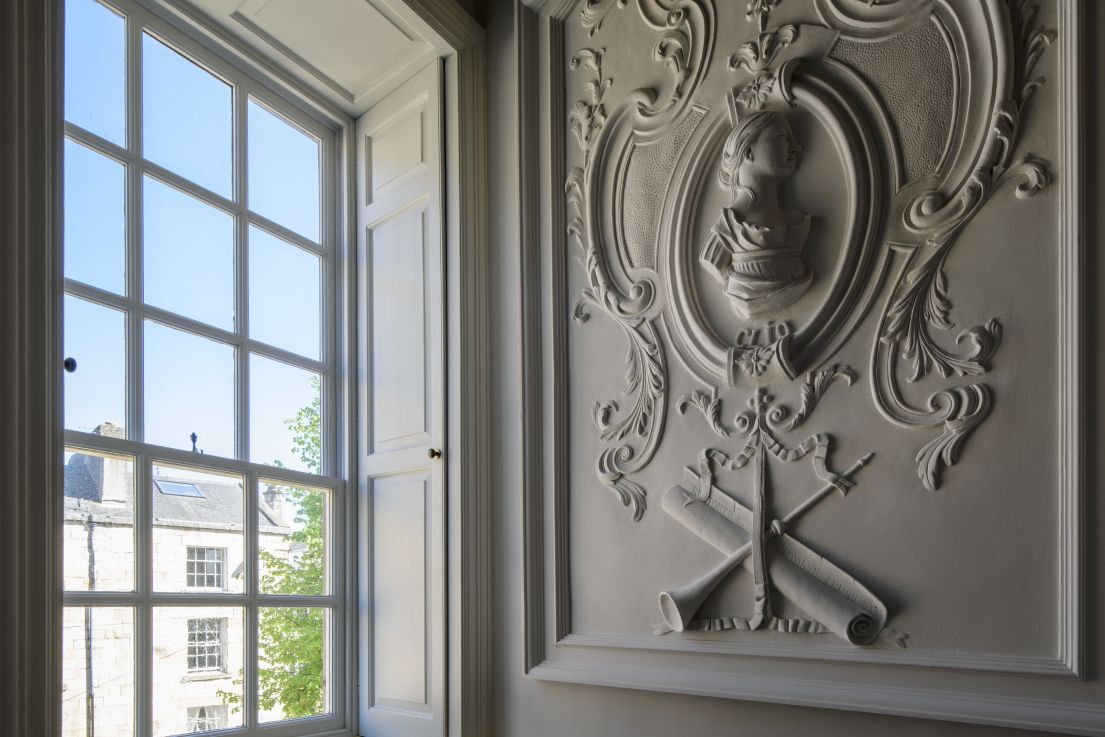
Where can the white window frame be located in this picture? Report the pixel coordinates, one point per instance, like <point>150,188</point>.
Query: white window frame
<point>333,131</point>
<point>31,31</point>
<point>206,718</point>
<point>193,566</point>
<point>205,626</point>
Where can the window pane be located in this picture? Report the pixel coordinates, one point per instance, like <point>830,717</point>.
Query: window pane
<point>95,394</point>
<point>197,662</point>
<point>99,520</point>
<point>186,117</point>
<point>198,539</point>
<point>205,567</point>
<point>97,672</point>
<point>95,69</point>
<point>284,415</point>
<point>283,294</point>
<point>189,388</point>
<point>95,219</point>
<point>188,255</point>
<point>206,718</point>
<point>283,172</point>
<point>292,667</point>
<point>294,539</point>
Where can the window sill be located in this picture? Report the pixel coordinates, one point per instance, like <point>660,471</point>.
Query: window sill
<point>213,675</point>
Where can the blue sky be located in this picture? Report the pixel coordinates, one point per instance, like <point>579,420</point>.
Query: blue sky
<point>188,247</point>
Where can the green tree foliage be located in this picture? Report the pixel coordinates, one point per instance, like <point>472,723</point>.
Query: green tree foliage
<point>290,641</point>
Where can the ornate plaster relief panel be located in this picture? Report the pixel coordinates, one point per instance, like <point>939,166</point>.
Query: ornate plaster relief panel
<point>809,326</point>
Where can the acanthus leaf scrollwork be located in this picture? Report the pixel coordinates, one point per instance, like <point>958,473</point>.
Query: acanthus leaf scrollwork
<point>920,301</point>
<point>645,367</point>
<point>756,56</point>
<point>685,45</point>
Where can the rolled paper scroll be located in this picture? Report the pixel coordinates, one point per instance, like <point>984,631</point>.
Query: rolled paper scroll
<point>824,592</point>
<point>815,585</point>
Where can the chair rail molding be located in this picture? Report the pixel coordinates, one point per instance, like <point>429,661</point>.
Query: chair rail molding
<point>777,228</point>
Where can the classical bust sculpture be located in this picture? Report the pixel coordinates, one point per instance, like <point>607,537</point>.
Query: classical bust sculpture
<point>755,247</point>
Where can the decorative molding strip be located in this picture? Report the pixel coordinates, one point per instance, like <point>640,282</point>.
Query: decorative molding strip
<point>1073,397</point>
<point>884,656</point>
<point>557,382</point>
<point>449,20</point>
<point>470,501</point>
<point>1016,712</point>
<point>532,352</point>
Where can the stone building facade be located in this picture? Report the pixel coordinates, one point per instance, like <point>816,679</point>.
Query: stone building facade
<point>197,545</point>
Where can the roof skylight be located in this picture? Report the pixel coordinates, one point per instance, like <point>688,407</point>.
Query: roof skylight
<point>178,488</point>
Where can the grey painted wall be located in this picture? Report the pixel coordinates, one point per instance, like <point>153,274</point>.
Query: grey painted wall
<point>524,707</point>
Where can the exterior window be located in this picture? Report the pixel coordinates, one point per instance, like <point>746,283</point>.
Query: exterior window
<point>203,574</point>
<point>206,644</point>
<point>206,568</point>
<point>205,718</point>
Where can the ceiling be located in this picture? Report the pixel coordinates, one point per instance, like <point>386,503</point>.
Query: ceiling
<point>351,52</point>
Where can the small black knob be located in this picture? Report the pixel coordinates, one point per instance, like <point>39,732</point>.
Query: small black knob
<point>433,453</point>
<point>70,364</point>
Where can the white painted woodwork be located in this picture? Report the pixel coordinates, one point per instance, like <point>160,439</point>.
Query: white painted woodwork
<point>399,537</point>
<point>402,410</point>
<point>401,389</point>
<point>395,151</point>
<point>353,52</point>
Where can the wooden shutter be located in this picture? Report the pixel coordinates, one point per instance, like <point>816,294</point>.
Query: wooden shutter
<point>402,411</point>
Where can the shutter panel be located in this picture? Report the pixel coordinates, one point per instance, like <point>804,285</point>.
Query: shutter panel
<point>402,411</point>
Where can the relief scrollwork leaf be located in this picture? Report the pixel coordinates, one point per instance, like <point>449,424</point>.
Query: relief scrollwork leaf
<point>1033,173</point>
<point>710,407</point>
<point>1033,40</point>
<point>587,117</point>
<point>756,56</point>
<point>967,406</point>
<point>611,465</point>
<point>814,387</point>
<point>777,416</point>
<point>759,9</point>
<point>646,384</point>
<point>644,380</point>
<point>959,410</point>
<point>594,12</point>
<point>642,419</point>
<point>672,49</point>
<point>924,302</point>
<point>921,301</point>
<point>685,45</point>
